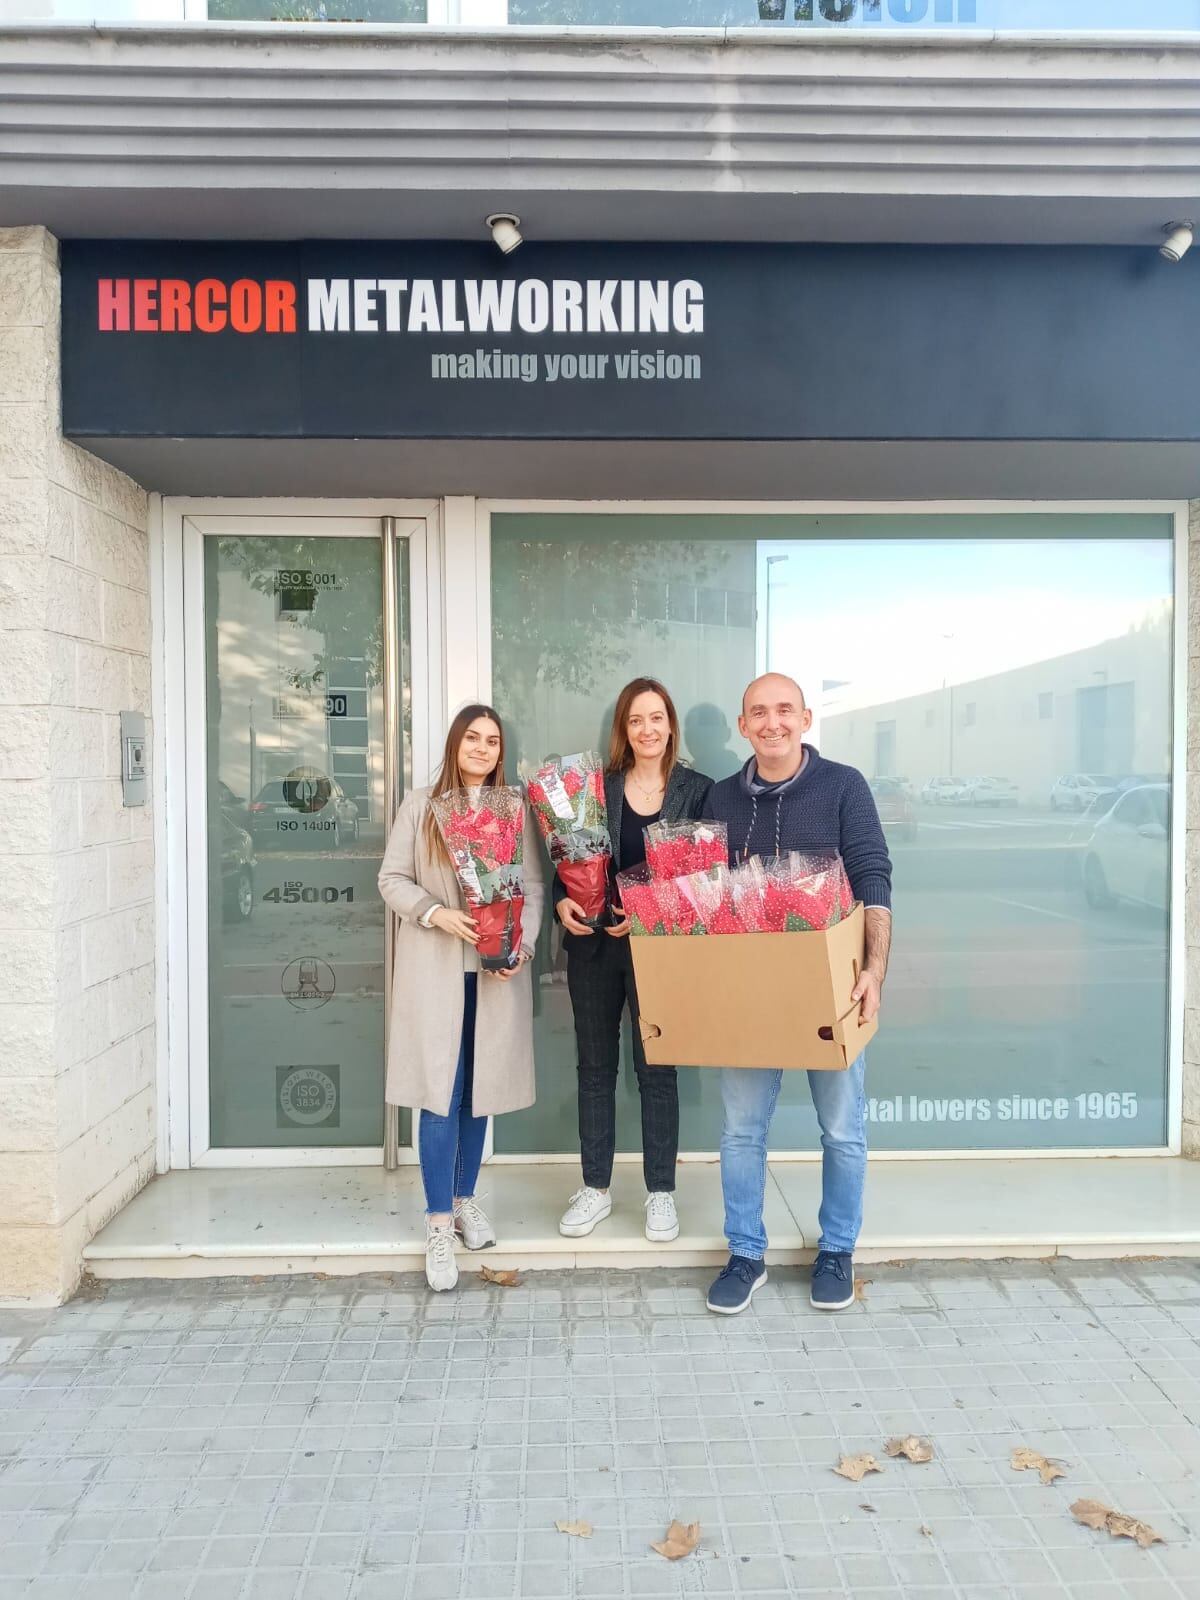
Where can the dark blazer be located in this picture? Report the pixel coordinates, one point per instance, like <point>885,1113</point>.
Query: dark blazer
<point>684,800</point>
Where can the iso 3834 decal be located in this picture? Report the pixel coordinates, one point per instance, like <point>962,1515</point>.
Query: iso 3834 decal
<point>308,1097</point>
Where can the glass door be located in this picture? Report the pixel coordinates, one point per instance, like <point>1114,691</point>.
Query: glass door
<point>304,667</point>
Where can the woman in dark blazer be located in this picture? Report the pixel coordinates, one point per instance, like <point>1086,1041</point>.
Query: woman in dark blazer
<point>643,783</point>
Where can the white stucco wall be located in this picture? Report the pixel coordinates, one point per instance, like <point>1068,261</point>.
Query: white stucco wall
<point>77,910</point>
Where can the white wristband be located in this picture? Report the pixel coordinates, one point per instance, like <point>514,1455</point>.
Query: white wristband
<point>426,920</point>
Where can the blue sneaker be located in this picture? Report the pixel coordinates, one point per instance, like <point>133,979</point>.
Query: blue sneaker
<point>832,1281</point>
<point>734,1286</point>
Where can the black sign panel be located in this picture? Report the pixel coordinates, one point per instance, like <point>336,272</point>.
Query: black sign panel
<point>562,341</point>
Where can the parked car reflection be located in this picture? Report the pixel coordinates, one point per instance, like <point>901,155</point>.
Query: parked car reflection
<point>1105,797</point>
<point>1079,791</point>
<point>235,804</point>
<point>1128,855</point>
<point>989,792</point>
<point>941,791</point>
<point>237,870</point>
<point>894,807</point>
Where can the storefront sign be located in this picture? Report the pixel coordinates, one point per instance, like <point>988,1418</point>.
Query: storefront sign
<point>449,340</point>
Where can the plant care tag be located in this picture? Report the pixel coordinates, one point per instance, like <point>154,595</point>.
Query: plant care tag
<point>469,877</point>
<point>557,794</point>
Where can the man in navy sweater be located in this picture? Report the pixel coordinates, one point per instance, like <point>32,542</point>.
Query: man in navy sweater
<point>787,798</point>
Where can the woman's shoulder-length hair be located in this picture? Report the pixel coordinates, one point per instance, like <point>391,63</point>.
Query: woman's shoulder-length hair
<point>620,751</point>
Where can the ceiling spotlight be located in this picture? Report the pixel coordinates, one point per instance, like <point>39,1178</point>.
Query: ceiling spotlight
<point>506,231</point>
<point>1178,241</point>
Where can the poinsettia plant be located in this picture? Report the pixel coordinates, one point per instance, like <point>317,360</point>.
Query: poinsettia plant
<point>567,796</point>
<point>674,849</point>
<point>484,831</point>
<point>794,893</point>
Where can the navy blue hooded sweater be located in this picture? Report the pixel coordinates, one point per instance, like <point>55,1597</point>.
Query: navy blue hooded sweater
<point>826,806</point>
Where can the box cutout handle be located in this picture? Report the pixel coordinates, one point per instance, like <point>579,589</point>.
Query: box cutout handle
<point>856,1006</point>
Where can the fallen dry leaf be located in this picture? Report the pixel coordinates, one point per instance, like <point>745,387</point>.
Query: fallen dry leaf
<point>911,1448</point>
<point>864,1505</point>
<point>861,1285</point>
<point>578,1530</point>
<point>1025,1460</point>
<point>507,1280</point>
<point>1094,1515</point>
<point>856,1467</point>
<point>928,1532</point>
<point>679,1541</point>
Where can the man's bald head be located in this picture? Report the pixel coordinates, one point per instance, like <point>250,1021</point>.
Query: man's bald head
<point>767,690</point>
<point>775,719</point>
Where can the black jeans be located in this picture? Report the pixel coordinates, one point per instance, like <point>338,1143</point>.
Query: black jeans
<point>601,986</point>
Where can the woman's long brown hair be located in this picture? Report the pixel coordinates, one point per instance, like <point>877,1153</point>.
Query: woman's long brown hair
<point>620,751</point>
<point>449,776</point>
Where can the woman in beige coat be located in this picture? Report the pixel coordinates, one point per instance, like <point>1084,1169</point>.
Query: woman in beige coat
<point>442,1005</point>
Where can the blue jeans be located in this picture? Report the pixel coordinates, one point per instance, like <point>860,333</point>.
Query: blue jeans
<point>750,1094</point>
<point>451,1147</point>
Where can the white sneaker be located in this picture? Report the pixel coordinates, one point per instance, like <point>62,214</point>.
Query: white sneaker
<point>441,1269</point>
<point>472,1224</point>
<point>585,1209</point>
<point>662,1222</point>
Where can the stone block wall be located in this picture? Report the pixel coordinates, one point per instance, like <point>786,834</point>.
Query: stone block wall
<point>77,1038</point>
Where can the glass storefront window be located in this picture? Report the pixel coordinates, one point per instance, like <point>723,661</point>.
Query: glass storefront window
<point>316,10</point>
<point>1004,682</point>
<point>150,12</point>
<point>147,12</point>
<point>297,810</point>
<point>894,16</point>
<point>1013,16</point>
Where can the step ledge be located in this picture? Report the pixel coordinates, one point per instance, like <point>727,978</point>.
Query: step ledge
<point>213,1263</point>
<point>1132,1241</point>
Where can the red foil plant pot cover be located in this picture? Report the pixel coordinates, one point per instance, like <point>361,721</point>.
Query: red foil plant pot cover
<point>567,796</point>
<point>484,830</point>
<point>499,925</point>
<point>587,884</point>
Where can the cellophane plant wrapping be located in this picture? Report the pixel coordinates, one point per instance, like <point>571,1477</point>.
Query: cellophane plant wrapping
<point>798,892</point>
<point>656,905</point>
<point>567,796</point>
<point>675,849</point>
<point>794,893</point>
<point>484,830</point>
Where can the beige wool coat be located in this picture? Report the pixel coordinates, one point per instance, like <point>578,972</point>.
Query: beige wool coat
<point>427,986</point>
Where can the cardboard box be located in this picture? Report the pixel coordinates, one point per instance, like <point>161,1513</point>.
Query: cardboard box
<point>753,999</point>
